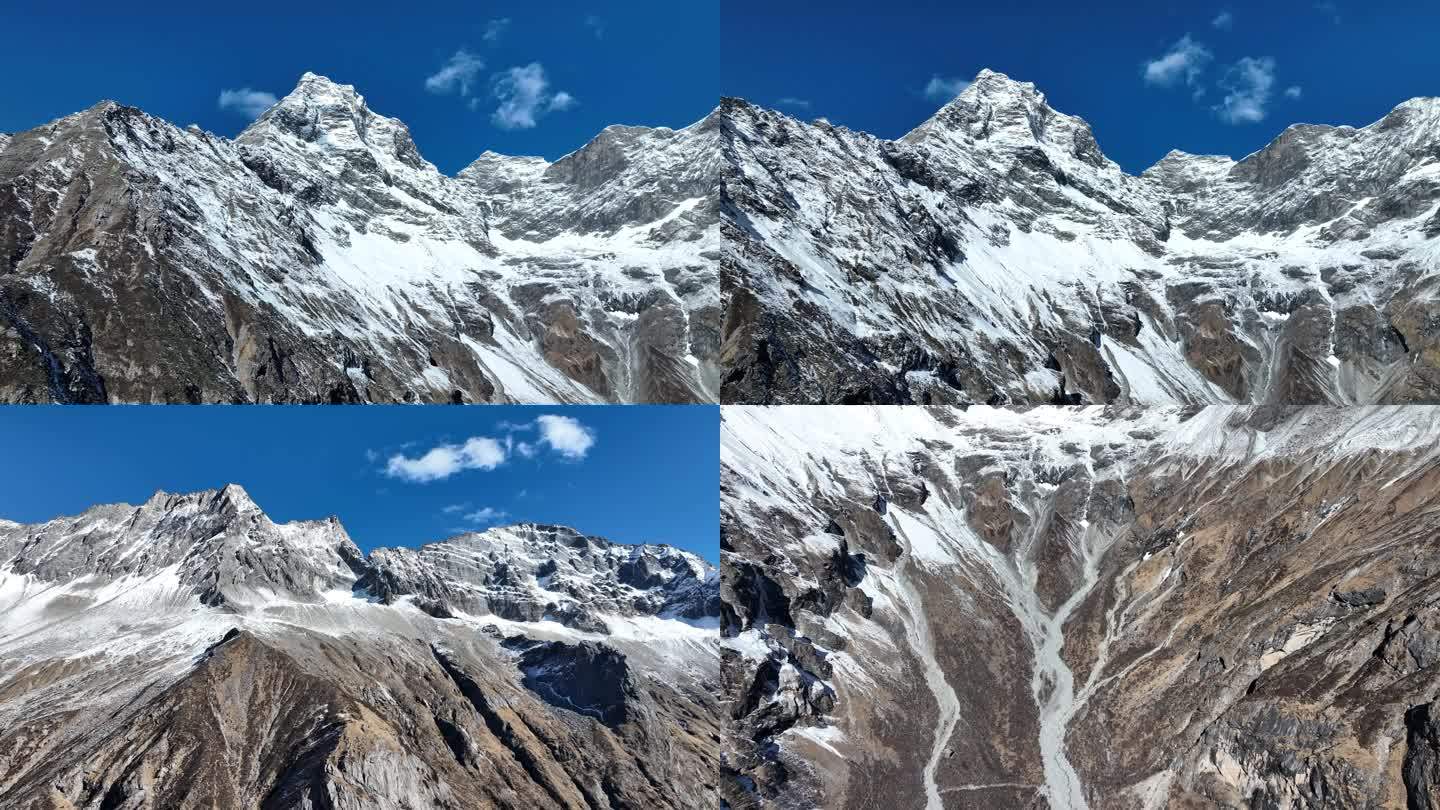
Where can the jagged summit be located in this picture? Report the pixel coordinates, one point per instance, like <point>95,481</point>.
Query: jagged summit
<point>232,494</point>
<point>330,115</point>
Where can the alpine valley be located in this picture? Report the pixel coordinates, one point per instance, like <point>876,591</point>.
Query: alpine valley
<point>191,653</point>
<point>318,257</point>
<point>1081,608</point>
<point>995,255</point>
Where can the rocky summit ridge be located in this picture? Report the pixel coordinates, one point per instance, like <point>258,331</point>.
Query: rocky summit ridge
<point>318,257</point>
<point>995,254</point>
<point>189,653</point>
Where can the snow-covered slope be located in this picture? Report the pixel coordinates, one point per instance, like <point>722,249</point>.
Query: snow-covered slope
<point>1079,608</point>
<point>189,652</point>
<point>319,257</point>
<point>994,254</point>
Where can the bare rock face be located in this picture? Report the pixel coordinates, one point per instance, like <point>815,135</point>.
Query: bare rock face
<point>1230,607</point>
<point>995,255</point>
<point>190,653</point>
<point>319,258</point>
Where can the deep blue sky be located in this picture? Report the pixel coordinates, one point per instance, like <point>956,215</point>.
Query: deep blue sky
<point>651,475</point>
<point>866,66</point>
<point>650,62</point>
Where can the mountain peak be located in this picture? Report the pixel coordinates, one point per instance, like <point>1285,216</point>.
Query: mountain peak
<point>320,110</point>
<point>313,86</point>
<point>229,498</point>
<point>998,108</point>
<point>991,83</point>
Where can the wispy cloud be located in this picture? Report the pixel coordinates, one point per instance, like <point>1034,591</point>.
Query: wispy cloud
<point>455,508</point>
<point>1293,91</point>
<point>1248,84</point>
<point>456,75</point>
<point>439,463</point>
<point>1184,62</point>
<point>1329,9</point>
<point>565,436</point>
<point>247,102</point>
<point>791,101</point>
<point>486,516</point>
<point>941,88</point>
<point>1224,21</point>
<point>525,96</point>
<point>495,29</point>
<point>596,25</point>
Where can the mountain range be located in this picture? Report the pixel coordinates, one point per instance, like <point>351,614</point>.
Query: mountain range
<point>191,653</point>
<point>1103,607</point>
<point>994,254</point>
<point>318,257</point>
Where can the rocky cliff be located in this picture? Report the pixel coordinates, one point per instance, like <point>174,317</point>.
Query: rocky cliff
<point>1080,608</point>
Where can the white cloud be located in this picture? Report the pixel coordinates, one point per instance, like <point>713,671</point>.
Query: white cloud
<point>486,515</point>
<point>1184,62</point>
<point>247,102</point>
<point>525,449</point>
<point>495,29</point>
<point>940,88</point>
<point>1247,83</point>
<point>524,95</point>
<point>791,101</point>
<point>439,463</point>
<point>1293,91</point>
<point>565,436</point>
<point>456,75</point>
<point>1224,21</point>
<point>595,24</point>
<point>455,507</point>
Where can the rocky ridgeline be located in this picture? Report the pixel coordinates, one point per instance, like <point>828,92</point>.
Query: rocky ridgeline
<point>191,653</point>
<point>319,258</point>
<point>224,549</point>
<point>995,255</point>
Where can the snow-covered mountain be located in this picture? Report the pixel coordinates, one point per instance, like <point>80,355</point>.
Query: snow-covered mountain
<point>318,257</point>
<point>190,652</point>
<point>1080,608</point>
<point>994,254</point>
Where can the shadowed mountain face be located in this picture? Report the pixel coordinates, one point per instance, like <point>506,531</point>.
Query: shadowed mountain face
<point>191,653</point>
<point>319,258</point>
<point>1080,608</point>
<point>995,255</point>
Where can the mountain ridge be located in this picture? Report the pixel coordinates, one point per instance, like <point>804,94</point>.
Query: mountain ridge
<point>584,577</point>
<point>189,651</point>
<point>994,254</point>
<point>318,257</point>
